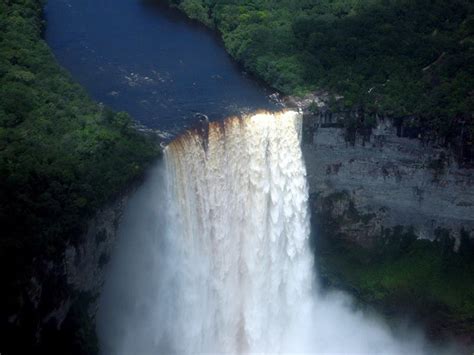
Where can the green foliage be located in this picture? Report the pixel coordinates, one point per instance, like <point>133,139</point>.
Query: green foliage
<point>399,57</point>
<point>398,272</point>
<point>62,156</point>
<point>425,276</point>
<point>197,11</point>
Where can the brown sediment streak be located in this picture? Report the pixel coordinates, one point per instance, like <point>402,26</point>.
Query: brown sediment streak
<point>216,129</point>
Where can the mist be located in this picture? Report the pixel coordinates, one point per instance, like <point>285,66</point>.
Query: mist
<point>213,256</point>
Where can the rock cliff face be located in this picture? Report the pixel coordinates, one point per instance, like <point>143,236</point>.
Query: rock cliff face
<point>58,310</point>
<point>376,181</point>
<point>393,222</point>
<point>84,263</point>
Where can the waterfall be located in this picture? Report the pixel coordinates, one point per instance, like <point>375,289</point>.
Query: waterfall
<point>214,255</point>
<point>241,197</point>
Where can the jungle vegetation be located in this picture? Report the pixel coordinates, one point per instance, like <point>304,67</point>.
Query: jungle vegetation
<point>403,58</point>
<point>62,156</point>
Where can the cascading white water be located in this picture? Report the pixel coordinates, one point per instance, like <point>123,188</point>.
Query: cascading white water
<point>214,255</point>
<point>246,274</point>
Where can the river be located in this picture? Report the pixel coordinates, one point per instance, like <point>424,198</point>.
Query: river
<point>150,61</point>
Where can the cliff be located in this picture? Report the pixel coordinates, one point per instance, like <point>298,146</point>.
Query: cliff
<point>58,307</point>
<point>392,180</point>
<point>393,221</point>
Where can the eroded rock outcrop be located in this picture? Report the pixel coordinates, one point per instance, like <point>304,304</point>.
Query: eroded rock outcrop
<point>386,181</point>
<point>57,311</point>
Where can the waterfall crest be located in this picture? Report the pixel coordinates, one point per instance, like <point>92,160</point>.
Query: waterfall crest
<point>241,198</point>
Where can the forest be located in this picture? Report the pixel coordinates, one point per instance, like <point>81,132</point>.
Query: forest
<point>400,58</point>
<point>62,156</point>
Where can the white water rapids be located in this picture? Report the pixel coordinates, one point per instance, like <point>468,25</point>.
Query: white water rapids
<point>214,255</point>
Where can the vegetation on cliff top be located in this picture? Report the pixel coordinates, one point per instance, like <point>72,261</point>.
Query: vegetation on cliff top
<point>398,57</point>
<point>62,156</point>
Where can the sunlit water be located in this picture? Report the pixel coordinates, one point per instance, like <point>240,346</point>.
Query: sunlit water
<point>214,255</point>
<point>149,60</point>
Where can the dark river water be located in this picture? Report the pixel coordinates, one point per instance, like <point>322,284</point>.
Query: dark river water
<point>150,61</point>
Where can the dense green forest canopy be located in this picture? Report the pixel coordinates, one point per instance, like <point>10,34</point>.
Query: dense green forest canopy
<point>61,155</point>
<point>400,57</point>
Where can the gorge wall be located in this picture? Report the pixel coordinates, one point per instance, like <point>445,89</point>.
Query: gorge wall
<point>392,222</point>
<point>58,307</point>
<point>387,181</point>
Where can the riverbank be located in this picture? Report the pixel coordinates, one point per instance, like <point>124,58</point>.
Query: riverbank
<point>358,53</point>
<point>63,157</point>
